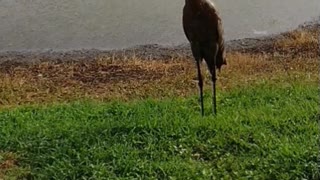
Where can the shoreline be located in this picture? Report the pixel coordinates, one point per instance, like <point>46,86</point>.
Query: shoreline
<point>144,52</point>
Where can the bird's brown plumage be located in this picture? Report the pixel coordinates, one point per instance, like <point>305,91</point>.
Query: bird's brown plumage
<point>203,28</point>
<point>202,25</point>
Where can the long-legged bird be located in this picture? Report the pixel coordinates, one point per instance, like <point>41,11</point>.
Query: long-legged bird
<point>203,28</point>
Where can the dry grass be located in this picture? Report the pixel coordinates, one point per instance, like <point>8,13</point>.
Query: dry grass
<point>106,79</point>
<point>300,43</point>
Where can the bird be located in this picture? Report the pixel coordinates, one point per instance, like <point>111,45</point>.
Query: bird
<point>203,28</point>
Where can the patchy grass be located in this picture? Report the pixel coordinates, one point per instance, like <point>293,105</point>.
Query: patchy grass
<point>103,80</point>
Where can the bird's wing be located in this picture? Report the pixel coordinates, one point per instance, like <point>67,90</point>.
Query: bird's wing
<point>186,32</point>
<point>186,23</point>
<point>215,22</point>
<point>220,29</point>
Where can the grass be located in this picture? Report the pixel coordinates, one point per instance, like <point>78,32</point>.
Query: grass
<point>261,132</point>
<point>126,119</point>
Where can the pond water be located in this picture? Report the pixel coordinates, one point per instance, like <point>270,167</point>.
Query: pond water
<point>109,24</point>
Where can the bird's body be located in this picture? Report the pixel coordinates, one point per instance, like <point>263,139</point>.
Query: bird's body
<point>203,28</point>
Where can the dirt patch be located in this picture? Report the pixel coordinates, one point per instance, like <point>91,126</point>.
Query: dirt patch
<point>8,163</point>
<point>93,72</point>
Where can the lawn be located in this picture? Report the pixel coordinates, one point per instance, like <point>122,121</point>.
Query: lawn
<point>265,132</point>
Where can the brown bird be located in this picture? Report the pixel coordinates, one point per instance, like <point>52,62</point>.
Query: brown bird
<point>203,28</point>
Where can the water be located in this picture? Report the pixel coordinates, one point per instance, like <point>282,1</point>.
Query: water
<point>108,24</point>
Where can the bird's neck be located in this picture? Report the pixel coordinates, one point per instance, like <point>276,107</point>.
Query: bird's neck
<point>193,2</point>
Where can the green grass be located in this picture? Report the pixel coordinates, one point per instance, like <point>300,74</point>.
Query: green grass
<point>261,132</point>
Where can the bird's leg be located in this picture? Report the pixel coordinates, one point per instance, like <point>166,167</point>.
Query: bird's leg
<point>200,83</point>
<point>214,100</point>
<point>214,79</point>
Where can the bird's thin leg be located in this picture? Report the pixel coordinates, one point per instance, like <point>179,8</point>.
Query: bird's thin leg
<point>214,79</point>
<point>214,100</point>
<point>200,83</point>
